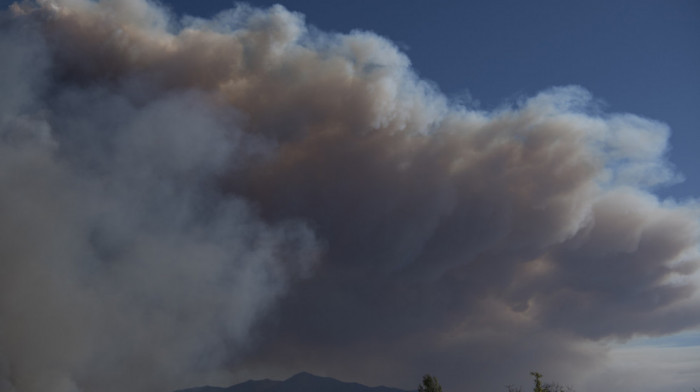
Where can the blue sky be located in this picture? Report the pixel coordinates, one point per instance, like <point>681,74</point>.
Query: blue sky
<point>638,57</point>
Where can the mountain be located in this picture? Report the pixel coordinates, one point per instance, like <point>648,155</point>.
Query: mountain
<point>302,382</point>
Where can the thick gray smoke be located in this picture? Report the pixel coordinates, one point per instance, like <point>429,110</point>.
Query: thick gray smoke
<point>124,267</point>
<point>183,200</point>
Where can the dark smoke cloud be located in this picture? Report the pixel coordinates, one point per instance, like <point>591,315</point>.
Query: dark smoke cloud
<point>123,265</point>
<point>197,200</point>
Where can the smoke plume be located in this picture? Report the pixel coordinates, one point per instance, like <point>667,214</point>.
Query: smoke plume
<point>188,200</point>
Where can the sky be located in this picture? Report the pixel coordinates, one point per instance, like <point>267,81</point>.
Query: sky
<point>206,192</point>
<point>636,57</point>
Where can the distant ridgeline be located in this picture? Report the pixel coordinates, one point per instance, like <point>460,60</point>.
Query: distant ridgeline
<point>302,382</point>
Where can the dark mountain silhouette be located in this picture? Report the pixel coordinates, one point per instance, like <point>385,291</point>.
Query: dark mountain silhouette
<point>302,382</point>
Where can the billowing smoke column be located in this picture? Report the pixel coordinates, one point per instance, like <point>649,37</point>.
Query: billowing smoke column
<point>243,195</point>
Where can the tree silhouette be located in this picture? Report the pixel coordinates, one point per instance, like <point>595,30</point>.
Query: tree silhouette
<point>549,387</point>
<point>538,382</point>
<point>430,384</point>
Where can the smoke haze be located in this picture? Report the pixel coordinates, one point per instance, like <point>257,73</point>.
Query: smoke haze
<point>198,200</point>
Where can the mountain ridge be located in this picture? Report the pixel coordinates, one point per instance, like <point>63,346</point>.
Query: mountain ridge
<point>300,382</point>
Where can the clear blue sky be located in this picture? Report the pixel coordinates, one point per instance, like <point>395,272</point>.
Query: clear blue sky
<point>641,57</point>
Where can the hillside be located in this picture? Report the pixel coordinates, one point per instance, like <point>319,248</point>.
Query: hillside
<point>302,382</point>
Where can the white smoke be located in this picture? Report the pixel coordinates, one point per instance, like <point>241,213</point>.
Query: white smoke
<point>163,184</point>
<point>123,265</point>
